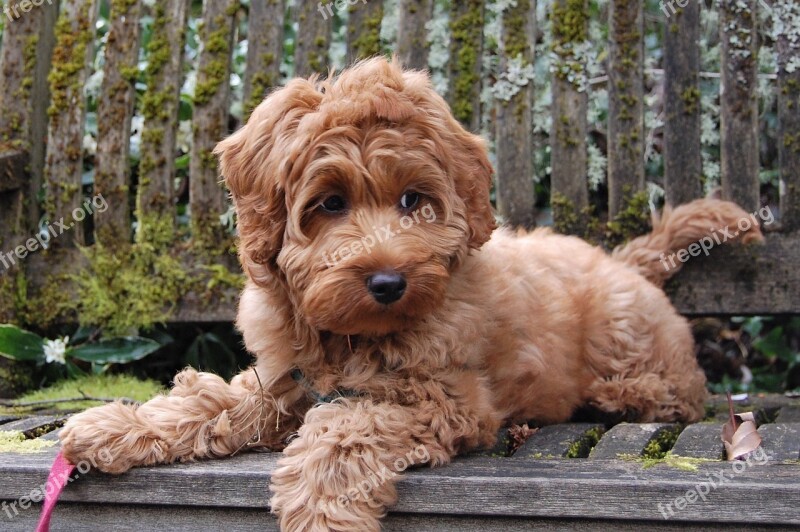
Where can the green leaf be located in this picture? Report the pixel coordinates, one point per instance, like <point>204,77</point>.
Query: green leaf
<point>18,344</point>
<point>774,345</point>
<point>115,351</point>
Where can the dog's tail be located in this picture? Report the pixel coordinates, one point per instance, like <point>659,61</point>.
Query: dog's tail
<point>689,230</point>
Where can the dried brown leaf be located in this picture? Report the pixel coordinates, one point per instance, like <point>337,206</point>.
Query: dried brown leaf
<point>519,434</point>
<point>740,434</point>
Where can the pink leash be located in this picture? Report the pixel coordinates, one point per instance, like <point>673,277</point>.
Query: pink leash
<point>58,478</point>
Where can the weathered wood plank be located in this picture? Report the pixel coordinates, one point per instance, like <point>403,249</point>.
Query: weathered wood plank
<point>264,51</point>
<point>412,32</point>
<point>313,38</point>
<point>207,195</point>
<point>741,280</point>
<point>7,419</point>
<point>683,163</point>
<point>739,102</point>
<point>155,198</point>
<point>569,193</point>
<point>76,517</point>
<point>788,414</point>
<point>566,440</point>
<point>514,145</point>
<point>114,113</point>
<point>465,66</point>
<point>24,66</point>
<point>781,441</point>
<point>35,426</point>
<point>72,60</point>
<point>626,133</point>
<point>702,440</point>
<point>476,486</point>
<point>630,439</point>
<point>364,30</point>
<point>786,17</point>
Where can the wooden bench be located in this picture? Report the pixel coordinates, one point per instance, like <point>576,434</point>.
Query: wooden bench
<point>578,476</point>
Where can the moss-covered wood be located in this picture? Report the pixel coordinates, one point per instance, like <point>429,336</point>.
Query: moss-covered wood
<point>315,23</point>
<point>264,51</point>
<point>465,69</point>
<point>207,195</point>
<point>625,101</point>
<point>514,145</point>
<point>787,13</point>
<point>364,30</point>
<point>739,102</point>
<point>72,59</point>
<point>114,112</point>
<point>412,32</point>
<point>24,65</point>
<point>569,193</point>
<point>683,164</point>
<point>155,197</point>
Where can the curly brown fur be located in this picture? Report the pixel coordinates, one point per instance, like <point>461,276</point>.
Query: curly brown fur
<point>493,327</point>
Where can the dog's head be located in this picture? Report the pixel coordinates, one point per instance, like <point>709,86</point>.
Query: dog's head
<point>362,194</point>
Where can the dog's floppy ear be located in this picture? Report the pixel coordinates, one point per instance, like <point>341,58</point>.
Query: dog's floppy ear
<point>255,163</point>
<point>473,177</point>
<point>464,154</point>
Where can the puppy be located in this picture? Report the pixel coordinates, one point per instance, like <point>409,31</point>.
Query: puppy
<point>388,316</point>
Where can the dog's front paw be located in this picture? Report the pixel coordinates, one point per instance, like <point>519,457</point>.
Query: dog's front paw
<point>317,501</point>
<point>113,439</point>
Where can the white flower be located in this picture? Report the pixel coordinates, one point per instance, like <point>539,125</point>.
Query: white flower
<point>54,350</point>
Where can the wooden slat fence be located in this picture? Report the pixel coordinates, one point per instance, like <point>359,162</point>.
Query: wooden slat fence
<point>44,65</point>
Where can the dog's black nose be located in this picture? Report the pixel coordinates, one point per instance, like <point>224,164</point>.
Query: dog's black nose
<point>386,287</point>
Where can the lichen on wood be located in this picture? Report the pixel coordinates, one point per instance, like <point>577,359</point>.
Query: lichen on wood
<point>72,57</point>
<point>466,52</point>
<point>364,30</point>
<point>264,51</point>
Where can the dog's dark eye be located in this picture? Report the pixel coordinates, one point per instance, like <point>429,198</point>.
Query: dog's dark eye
<point>409,200</point>
<point>334,204</point>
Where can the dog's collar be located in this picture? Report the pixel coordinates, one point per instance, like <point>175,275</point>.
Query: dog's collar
<point>318,398</point>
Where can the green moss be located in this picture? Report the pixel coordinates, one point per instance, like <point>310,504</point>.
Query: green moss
<point>567,218</point>
<point>15,377</point>
<point>669,460</point>
<point>264,79</point>
<point>632,220</point>
<point>69,60</point>
<point>570,23</point>
<point>221,277</point>
<point>368,42</point>
<point>214,73</point>
<point>99,386</point>
<point>466,34</point>
<point>658,447</point>
<point>46,305</point>
<point>691,100</point>
<point>583,446</point>
<point>515,23</point>
<point>16,442</point>
<point>128,287</point>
